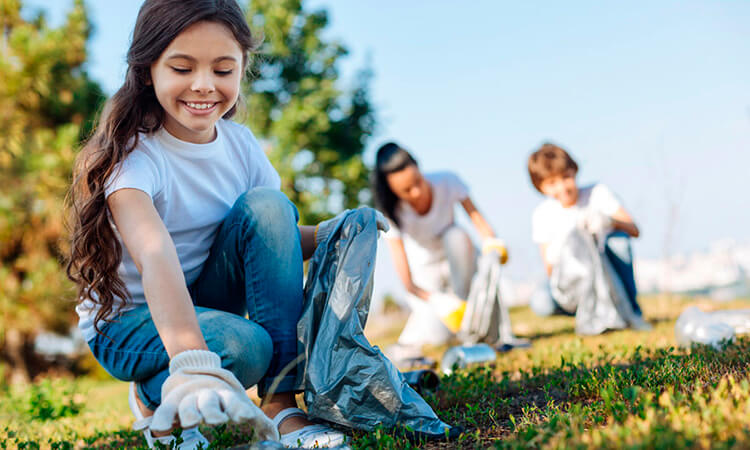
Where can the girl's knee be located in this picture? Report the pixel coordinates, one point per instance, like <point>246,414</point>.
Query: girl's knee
<point>244,346</point>
<point>266,206</point>
<point>249,356</point>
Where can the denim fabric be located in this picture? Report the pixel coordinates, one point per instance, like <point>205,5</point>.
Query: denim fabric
<point>618,251</point>
<point>136,352</point>
<point>620,255</point>
<point>255,269</point>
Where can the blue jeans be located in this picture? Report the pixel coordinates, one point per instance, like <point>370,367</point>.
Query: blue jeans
<point>620,255</point>
<point>254,269</point>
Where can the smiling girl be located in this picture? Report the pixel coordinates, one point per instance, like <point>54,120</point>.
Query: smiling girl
<point>187,256</point>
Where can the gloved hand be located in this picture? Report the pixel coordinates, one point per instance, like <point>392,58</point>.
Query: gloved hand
<point>449,308</point>
<point>199,390</point>
<point>497,245</point>
<point>324,228</point>
<point>596,223</point>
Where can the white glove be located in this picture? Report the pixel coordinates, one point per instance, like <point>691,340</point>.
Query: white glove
<point>596,223</point>
<point>496,245</point>
<point>324,228</point>
<point>199,390</point>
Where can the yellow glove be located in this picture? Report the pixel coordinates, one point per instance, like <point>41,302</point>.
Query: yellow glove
<point>495,245</point>
<point>449,308</point>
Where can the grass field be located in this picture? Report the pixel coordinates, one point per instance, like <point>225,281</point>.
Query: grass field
<point>622,389</point>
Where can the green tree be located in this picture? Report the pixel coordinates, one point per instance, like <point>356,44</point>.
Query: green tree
<point>315,131</point>
<point>47,102</point>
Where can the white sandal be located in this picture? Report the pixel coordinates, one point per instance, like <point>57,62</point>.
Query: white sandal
<point>311,436</point>
<point>191,437</point>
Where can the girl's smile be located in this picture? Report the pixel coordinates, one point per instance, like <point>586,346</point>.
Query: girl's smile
<point>197,80</point>
<point>200,108</point>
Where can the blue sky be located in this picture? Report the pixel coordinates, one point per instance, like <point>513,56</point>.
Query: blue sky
<point>651,98</point>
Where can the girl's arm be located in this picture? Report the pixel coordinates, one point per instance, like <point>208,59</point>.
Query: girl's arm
<point>484,228</point>
<point>307,239</point>
<point>398,254</point>
<point>149,244</point>
<point>621,220</point>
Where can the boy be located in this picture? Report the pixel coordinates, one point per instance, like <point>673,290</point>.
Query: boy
<point>593,209</point>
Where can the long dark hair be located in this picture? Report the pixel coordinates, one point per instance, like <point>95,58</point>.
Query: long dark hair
<point>96,252</point>
<point>389,159</point>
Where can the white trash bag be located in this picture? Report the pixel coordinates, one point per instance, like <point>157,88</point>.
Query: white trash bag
<point>710,328</point>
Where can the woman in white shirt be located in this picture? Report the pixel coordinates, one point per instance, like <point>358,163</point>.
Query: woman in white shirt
<point>430,252</point>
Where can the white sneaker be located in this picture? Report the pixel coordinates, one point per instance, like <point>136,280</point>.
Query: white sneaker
<point>192,439</point>
<point>311,436</point>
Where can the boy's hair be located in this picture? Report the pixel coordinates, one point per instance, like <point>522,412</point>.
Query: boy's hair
<point>547,162</point>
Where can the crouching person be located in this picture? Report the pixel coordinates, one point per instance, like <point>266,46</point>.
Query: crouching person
<point>590,211</point>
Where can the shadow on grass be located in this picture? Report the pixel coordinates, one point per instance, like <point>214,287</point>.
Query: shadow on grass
<point>503,408</point>
<point>499,404</point>
<point>568,330</point>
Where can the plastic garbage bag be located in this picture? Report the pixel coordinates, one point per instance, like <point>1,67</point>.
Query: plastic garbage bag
<point>345,379</point>
<point>585,282</point>
<point>486,317</point>
<point>710,328</point>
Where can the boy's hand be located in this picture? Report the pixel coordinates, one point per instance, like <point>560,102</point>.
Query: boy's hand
<point>497,245</point>
<point>595,223</point>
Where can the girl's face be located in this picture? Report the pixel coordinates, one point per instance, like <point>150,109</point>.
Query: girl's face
<point>197,80</point>
<point>562,188</point>
<point>410,186</point>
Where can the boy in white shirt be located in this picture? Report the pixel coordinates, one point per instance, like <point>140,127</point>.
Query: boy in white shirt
<point>593,208</point>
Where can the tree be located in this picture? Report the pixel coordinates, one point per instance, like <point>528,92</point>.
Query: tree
<point>314,131</point>
<point>47,103</point>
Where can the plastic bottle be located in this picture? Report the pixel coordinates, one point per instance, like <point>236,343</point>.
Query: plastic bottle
<point>465,356</point>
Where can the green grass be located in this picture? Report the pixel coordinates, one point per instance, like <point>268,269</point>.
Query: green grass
<point>624,389</point>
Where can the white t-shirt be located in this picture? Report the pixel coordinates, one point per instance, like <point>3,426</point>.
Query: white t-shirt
<point>421,233</point>
<point>551,222</point>
<point>193,187</point>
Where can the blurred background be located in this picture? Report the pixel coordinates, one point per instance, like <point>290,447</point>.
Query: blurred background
<point>651,98</point>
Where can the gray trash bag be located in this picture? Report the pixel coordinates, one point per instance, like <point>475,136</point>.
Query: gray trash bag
<point>346,380</point>
<point>585,283</point>
<point>486,318</point>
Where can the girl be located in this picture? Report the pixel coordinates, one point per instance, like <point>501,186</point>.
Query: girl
<point>430,252</point>
<point>209,237</point>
